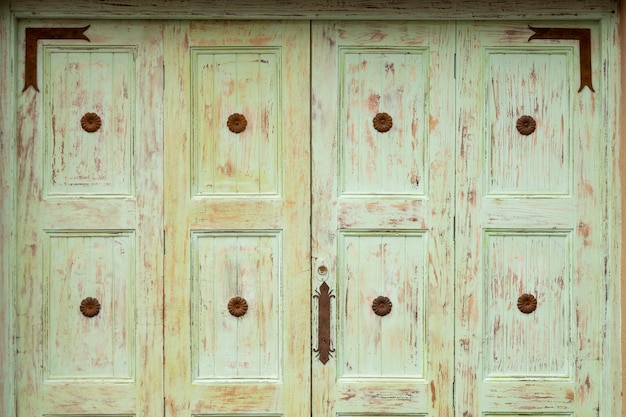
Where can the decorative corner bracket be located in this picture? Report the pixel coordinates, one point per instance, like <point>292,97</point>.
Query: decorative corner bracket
<point>32,36</point>
<point>323,325</point>
<point>583,36</point>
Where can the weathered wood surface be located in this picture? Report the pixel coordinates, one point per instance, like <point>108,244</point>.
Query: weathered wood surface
<point>615,156</point>
<point>7,224</point>
<point>237,213</point>
<point>383,215</point>
<point>314,9</point>
<point>89,224</point>
<point>120,215</point>
<point>558,347</point>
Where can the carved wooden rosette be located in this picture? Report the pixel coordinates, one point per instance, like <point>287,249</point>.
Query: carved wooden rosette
<point>90,122</point>
<point>526,125</point>
<point>382,122</point>
<point>237,306</point>
<point>90,307</point>
<point>382,306</point>
<point>323,332</point>
<point>527,303</point>
<point>237,123</point>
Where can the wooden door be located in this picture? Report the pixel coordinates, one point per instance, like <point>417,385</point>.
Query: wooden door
<point>529,220</point>
<point>383,214</point>
<point>89,221</point>
<point>446,256</point>
<point>237,292</point>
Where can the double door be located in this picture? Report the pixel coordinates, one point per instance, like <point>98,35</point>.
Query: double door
<point>294,218</point>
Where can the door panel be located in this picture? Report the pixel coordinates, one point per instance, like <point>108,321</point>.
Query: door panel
<point>393,265</point>
<point>528,224</point>
<point>90,225</point>
<point>382,217</point>
<point>237,292</point>
<point>244,79</point>
<point>235,349</point>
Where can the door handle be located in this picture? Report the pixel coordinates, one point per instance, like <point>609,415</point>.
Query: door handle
<point>324,351</point>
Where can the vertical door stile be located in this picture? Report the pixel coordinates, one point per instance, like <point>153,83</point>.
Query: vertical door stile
<point>467,172</point>
<point>177,360</point>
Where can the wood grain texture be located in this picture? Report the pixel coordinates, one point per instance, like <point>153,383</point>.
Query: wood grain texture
<point>233,239</point>
<point>315,9</point>
<point>80,265</point>
<point>497,261</point>
<point>391,81</point>
<point>512,157</point>
<point>534,345</point>
<point>78,80</point>
<point>225,82</point>
<point>7,204</point>
<point>72,364</point>
<point>613,196</point>
<point>225,265</point>
<point>383,233</point>
<point>374,264</point>
<point>499,212</point>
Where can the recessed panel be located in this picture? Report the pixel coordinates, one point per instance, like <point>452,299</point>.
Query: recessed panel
<point>89,113</point>
<point>528,122</point>
<point>83,340</point>
<point>528,305</point>
<point>382,280</point>
<point>236,117</point>
<point>383,121</point>
<point>236,304</point>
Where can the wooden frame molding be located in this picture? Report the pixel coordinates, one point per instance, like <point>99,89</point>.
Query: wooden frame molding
<point>7,159</point>
<point>315,9</point>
